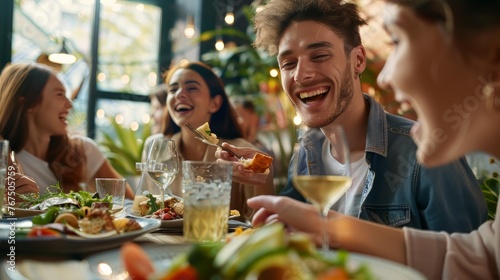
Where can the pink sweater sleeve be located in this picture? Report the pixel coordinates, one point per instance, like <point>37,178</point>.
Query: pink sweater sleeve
<point>439,255</point>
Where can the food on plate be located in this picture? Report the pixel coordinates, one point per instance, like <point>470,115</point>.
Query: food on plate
<point>209,136</point>
<point>67,218</point>
<point>166,214</point>
<point>54,196</point>
<point>98,221</point>
<point>43,232</point>
<point>259,163</point>
<point>268,252</point>
<point>153,204</point>
<point>126,225</point>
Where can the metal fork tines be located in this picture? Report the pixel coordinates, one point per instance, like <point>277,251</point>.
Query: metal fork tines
<point>204,139</point>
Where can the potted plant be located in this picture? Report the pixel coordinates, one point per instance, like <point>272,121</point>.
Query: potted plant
<point>123,148</point>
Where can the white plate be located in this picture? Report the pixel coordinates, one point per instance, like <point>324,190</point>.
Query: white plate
<point>21,213</point>
<point>177,223</point>
<point>172,224</point>
<point>66,245</point>
<point>162,255</point>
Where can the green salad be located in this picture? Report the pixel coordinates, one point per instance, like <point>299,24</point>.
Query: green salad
<point>266,253</point>
<point>55,202</point>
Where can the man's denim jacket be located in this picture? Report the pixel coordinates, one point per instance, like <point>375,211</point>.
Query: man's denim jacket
<point>399,191</point>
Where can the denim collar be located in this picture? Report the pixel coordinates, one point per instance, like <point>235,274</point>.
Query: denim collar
<point>377,132</point>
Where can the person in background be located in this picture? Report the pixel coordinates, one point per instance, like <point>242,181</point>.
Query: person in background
<point>196,95</point>
<point>158,103</point>
<point>321,58</point>
<point>249,121</point>
<point>446,62</point>
<point>34,117</point>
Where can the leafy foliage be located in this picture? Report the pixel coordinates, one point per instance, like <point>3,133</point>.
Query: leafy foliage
<point>84,198</point>
<point>124,147</point>
<point>490,185</point>
<point>491,188</point>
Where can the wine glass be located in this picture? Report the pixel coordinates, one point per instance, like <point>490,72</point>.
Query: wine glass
<point>162,164</point>
<point>322,189</point>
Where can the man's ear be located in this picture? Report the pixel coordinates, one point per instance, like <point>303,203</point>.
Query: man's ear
<point>215,104</point>
<point>358,55</point>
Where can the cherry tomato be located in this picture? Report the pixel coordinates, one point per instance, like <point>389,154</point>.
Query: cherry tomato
<point>42,231</point>
<point>166,216</point>
<point>183,273</point>
<point>334,274</point>
<point>136,261</point>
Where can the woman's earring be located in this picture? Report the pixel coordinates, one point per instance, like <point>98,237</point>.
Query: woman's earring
<point>492,99</point>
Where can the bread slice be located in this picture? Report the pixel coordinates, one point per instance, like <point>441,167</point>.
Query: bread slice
<point>205,130</point>
<point>259,163</point>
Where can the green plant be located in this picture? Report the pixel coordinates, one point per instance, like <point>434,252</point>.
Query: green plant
<point>123,147</point>
<point>243,68</point>
<point>491,188</point>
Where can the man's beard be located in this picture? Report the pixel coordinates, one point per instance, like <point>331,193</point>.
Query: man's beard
<point>344,99</point>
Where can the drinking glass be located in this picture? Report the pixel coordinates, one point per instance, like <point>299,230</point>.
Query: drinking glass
<point>206,189</point>
<point>162,164</point>
<point>323,190</point>
<point>112,186</point>
<point>4,151</point>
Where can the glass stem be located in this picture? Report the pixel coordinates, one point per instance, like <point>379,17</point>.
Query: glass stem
<point>324,231</point>
<point>162,191</point>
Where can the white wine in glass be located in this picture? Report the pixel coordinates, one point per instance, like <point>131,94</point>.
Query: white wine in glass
<point>162,164</point>
<point>323,190</point>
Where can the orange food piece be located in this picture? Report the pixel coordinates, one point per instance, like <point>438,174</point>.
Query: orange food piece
<point>335,273</point>
<point>42,231</point>
<point>184,273</point>
<point>260,163</point>
<point>136,261</point>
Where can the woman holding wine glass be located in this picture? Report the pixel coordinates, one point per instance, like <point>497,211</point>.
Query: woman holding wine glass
<point>196,95</point>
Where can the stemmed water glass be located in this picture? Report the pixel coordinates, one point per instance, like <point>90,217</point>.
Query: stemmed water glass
<point>162,164</point>
<point>321,189</point>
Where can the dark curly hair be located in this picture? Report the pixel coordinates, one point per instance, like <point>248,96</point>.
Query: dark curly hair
<point>343,18</point>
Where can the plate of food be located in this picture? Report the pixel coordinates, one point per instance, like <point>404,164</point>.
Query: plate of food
<point>71,235</point>
<point>171,216</point>
<point>21,212</point>
<point>265,253</point>
<point>34,204</point>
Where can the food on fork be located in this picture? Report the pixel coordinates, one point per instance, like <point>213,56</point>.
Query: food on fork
<point>209,136</point>
<point>259,163</point>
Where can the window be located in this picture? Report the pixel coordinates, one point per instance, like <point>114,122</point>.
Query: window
<point>114,72</point>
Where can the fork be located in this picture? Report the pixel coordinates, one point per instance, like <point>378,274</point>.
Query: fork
<point>202,138</point>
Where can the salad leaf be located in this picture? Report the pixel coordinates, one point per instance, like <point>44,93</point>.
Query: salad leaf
<point>47,217</point>
<point>153,207</point>
<point>83,198</point>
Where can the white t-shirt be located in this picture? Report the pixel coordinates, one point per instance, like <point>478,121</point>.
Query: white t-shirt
<point>350,203</point>
<point>39,169</point>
